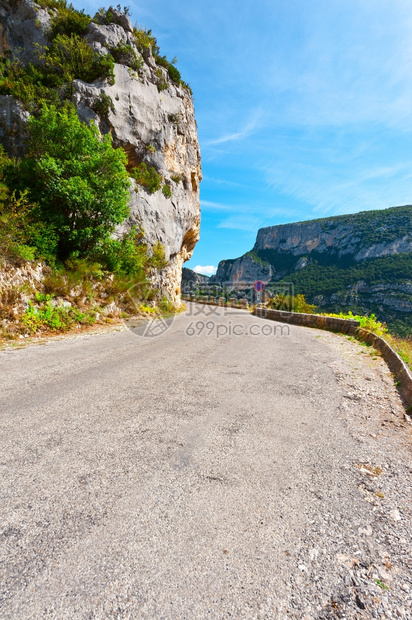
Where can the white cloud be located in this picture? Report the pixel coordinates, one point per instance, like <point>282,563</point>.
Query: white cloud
<point>207,270</point>
<point>245,132</point>
<point>242,221</point>
<point>217,206</point>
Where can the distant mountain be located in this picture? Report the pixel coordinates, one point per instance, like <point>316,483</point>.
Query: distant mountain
<point>191,280</point>
<point>361,262</point>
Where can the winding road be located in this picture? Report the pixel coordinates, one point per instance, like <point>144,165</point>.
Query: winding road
<point>230,467</point>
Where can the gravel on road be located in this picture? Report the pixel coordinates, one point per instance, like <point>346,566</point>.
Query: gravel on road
<point>204,473</point>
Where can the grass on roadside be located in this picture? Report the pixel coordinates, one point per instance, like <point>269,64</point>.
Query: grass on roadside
<point>403,346</point>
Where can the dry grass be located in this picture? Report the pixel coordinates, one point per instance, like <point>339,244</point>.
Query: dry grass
<point>403,347</point>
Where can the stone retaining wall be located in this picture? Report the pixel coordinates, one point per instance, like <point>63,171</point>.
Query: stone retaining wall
<point>345,326</point>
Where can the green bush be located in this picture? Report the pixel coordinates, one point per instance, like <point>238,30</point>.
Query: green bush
<point>147,177</point>
<point>144,40</point>
<point>290,303</point>
<point>77,179</point>
<point>125,55</point>
<point>175,118</point>
<point>369,323</point>
<point>70,57</point>
<point>52,4</point>
<point>26,83</point>
<point>173,72</point>
<point>69,21</point>
<point>47,316</point>
<point>166,191</point>
<point>67,58</point>
<point>127,256</point>
<point>103,105</point>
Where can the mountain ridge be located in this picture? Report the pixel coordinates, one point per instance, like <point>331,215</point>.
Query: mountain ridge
<point>360,261</point>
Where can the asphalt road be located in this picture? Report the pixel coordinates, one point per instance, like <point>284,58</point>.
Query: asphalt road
<point>201,474</point>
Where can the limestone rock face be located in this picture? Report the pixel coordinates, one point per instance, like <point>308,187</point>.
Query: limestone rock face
<point>149,116</point>
<point>341,240</point>
<point>191,280</point>
<point>336,235</point>
<point>360,262</point>
<point>245,270</point>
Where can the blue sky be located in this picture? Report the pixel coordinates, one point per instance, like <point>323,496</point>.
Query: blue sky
<point>304,108</point>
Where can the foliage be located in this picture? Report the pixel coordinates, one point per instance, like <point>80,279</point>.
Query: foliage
<point>186,86</point>
<point>173,72</point>
<point>127,256</point>
<point>21,236</point>
<point>53,4</point>
<point>255,257</point>
<point>78,180</point>
<point>71,57</point>
<point>175,118</point>
<point>162,84</point>
<point>403,346</point>
<point>67,58</point>
<point>369,323</point>
<point>147,177</point>
<point>144,40</point>
<point>176,178</point>
<point>26,84</point>
<point>14,215</point>
<point>291,303</point>
<point>103,105</point>
<point>47,316</point>
<point>166,191</point>
<point>125,55</point>
<point>69,21</point>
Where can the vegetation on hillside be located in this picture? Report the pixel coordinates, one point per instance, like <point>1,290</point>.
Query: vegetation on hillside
<point>61,202</point>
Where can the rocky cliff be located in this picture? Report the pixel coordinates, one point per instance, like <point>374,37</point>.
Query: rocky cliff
<point>361,261</point>
<point>149,115</point>
<point>191,280</point>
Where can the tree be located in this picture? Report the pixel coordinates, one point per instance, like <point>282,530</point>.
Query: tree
<point>77,179</point>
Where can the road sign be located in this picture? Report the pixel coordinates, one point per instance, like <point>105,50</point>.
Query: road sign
<point>259,286</point>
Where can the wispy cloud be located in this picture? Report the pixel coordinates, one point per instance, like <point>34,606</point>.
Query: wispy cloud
<point>242,134</point>
<point>216,206</point>
<point>249,223</point>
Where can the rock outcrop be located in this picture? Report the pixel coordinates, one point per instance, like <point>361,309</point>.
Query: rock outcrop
<point>149,116</point>
<point>247,269</point>
<point>341,240</point>
<point>191,280</point>
<point>361,261</point>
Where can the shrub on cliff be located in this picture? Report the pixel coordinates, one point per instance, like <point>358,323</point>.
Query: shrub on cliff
<point>147,177</point>
<point>77,179</point>
<point>291,303</point>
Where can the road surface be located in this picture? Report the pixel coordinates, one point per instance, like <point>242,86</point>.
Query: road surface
<point>213,471</point>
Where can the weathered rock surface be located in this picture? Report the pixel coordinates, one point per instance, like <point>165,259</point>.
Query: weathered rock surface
<point>341,236</point>
<point>246,269</point>
<point>318,256</point>
<point>191,280</point>
<point>154,126</point>
<point>341,239</point>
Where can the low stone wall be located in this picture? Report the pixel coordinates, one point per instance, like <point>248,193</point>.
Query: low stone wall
<point>345,326</point>
<point>401,371</point>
